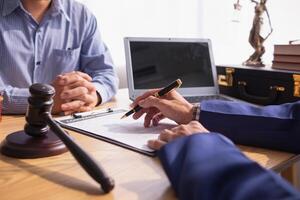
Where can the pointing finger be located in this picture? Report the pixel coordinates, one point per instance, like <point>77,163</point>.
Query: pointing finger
<point>143,96</point>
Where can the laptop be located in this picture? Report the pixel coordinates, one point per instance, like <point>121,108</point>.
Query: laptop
<point>156,62</point>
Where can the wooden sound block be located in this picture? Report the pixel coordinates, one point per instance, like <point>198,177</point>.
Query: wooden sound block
<point>21,145</point>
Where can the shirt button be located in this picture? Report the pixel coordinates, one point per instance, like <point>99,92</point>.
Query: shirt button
<point>38,62</point>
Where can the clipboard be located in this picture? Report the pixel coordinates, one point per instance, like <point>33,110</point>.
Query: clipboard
<point>106,125</point>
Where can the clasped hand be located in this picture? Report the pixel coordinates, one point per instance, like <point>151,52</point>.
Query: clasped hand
<point>172,106</point>
<point>74,93</point>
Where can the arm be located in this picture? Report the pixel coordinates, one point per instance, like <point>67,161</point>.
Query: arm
<point>14,99</point>
<point>96,61</point>
<point>208,166</point>
<point>253,1</point>
<point>270,24</point>
<point>275,127</point>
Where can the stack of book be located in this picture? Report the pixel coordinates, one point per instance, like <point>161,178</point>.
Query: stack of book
<point>287,56</point>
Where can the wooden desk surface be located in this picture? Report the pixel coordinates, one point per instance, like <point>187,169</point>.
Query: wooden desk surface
<point>60,177</point>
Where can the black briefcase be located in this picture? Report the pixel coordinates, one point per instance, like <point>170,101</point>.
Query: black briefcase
<point>263,86</point>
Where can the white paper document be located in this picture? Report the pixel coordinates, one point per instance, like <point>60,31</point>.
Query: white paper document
<point>108,126</point>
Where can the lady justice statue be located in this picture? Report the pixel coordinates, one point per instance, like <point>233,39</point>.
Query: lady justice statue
<point>256,40</point>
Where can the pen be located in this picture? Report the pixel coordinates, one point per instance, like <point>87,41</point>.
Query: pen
<point>175,84</point>
<point>85,114</point>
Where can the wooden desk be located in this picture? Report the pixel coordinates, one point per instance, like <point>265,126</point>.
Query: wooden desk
<point>60,177</point>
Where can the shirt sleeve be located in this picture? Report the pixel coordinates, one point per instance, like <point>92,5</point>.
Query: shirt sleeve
<point>95,60</point>
<point>208,166</point>
<point>274,127</point>
<point>15,100</point>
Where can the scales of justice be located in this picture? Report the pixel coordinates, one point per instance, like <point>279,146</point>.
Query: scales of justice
<point>256,39</point>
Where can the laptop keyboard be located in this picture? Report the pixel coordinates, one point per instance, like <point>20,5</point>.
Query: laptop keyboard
<point>197,99</point>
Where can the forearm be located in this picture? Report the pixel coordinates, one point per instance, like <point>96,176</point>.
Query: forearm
<point>208,166</point>
<point>15,100</point>
<point>275,127</point>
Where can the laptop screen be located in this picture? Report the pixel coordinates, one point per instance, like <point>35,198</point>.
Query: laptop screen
<point>156,64</point>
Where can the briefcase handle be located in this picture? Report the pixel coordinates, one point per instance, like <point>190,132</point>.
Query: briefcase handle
<point>262,100</point>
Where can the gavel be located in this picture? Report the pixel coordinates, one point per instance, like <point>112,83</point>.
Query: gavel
<point>42,136</point>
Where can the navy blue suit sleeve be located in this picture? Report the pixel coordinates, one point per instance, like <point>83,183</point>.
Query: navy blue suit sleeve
<point>207,166</point>
<point>274,127</point>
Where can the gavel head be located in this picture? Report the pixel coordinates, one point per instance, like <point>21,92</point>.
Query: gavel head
<point>39,102</point>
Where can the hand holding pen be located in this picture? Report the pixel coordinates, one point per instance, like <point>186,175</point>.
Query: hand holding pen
<point>171,105</point>
<point>175,84</point>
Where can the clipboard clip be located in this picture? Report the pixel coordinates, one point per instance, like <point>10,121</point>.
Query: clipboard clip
<point>86,114</point>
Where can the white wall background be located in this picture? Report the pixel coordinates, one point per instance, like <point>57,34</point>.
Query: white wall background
<point>147,18</point>
<point>194,18</point>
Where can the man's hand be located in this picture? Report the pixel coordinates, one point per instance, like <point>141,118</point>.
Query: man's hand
<point>74,93</point>
<point>179,131</point>
<point>171,105</point>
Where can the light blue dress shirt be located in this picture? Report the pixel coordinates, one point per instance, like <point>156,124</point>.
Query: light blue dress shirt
<point>67,39</point>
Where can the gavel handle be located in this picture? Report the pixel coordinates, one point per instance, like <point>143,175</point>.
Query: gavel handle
<point>84,159</point>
